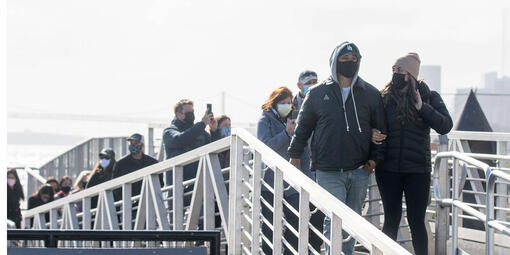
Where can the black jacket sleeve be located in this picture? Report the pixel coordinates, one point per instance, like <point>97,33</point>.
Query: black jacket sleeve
<point>436,115</point>
<point>306,122</point>
<point>116,170</point>
<point>378,120</point>
<point>33,202</point>
<point>215,136</point>
<point>93,181</point>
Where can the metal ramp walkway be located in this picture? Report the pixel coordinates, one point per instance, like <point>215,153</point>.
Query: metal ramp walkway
<point>229,200</point>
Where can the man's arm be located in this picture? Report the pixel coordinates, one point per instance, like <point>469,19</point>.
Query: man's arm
<point>306,123</point>
<point>378,121</point>
<point>174,138</point>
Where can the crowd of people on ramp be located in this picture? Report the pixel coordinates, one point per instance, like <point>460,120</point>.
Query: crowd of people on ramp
<point>338,132</point>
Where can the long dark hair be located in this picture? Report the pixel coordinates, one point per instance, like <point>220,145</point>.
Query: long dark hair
<point>46,189</point>
<point>18,190</point>
<point>405,100</point>
<point>108,170</point>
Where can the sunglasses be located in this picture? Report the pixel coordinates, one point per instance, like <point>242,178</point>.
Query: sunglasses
<point>103,157</point>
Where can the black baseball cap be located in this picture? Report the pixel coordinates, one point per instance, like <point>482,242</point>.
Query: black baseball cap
<point>107,152</point>
<point>136,137</point>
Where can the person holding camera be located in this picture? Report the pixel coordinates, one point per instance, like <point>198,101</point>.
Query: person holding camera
<point>411,110</point>
<point>275,128</point>
<point>184,135</point>
<point>341,112</point>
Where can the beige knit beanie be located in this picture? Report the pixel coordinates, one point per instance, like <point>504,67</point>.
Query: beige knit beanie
<point>410,63</point>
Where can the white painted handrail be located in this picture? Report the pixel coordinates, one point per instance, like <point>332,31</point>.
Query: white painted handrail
<point>360,229</point>
<point>455,202</point>
<point>133,177</point>
<point>490,223</point>
<point>151,211</point>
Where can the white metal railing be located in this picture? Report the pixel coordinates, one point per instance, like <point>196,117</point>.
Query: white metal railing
<point>82,156</point>
<point>170,206</point>
<point>441,188</point>
<point>246,182</point>
<point>490,222</point>
<point>154,207</point>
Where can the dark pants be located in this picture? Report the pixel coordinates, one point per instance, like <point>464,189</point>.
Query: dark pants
<point>416,188</point>
<point>316,220</point>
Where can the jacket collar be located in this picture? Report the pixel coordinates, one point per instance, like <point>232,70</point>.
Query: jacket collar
<point>271,113</point>
<point>359,82</point>
<point>179,124</point>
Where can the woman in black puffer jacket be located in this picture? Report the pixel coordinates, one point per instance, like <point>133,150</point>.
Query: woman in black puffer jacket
<point>411,111</point>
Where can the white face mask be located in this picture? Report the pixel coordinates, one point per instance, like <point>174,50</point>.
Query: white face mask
<point>11,182</point>
<point>104,163</point>
<point>284,109</point>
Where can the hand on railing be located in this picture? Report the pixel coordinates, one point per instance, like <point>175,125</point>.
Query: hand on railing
<point>296,162</point>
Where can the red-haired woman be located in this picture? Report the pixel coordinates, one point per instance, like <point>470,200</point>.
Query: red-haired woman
<point>275,128</point>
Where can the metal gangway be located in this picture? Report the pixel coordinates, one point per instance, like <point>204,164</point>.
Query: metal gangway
<point>165,208</point>
<point>176,207</point>
<point>71,162</point>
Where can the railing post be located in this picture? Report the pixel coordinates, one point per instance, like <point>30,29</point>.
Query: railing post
<point>336,235</point>
<point>126,207</point>
<point>455,213</point>
<point>209,218</point>
<point>489,232</point>
<point>177,198</point>
<point>151,141</point>
<point>278,211</point>
<point>304,219</point>
<point>53,218</point>
<point>255,228</point>
<point>235,200</point>
<point>502,188</point>
<point>442,213</point>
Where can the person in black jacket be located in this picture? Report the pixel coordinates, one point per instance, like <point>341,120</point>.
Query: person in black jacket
<point>103,170</point>
<point>136,160</point>
<point>411,110</point>
<point>43,196</point>
<point>14,195</point>
<point>54,183</point>
<point>184,135</point>
<point>341,112</point>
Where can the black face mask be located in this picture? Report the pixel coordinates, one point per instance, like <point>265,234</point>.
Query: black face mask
<point>135,149</point>
<point>347,69</point>
<point>399,80</point>
<point>190,118</point>
<point>66,189</point>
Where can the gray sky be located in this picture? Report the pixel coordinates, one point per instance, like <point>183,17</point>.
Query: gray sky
<point>137,58</point>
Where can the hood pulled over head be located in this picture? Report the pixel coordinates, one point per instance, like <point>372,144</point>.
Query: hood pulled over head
<point>340,51</point>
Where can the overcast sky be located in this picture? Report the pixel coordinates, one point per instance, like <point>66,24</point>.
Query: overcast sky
<point>137,58</point>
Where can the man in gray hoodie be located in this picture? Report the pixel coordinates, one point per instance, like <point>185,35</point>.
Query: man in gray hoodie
<point>341,112</point>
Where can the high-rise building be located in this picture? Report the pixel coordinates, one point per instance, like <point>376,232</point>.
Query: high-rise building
<point>432,76</point>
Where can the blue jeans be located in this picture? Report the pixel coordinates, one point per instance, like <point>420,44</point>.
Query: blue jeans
<point>350,187</point>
